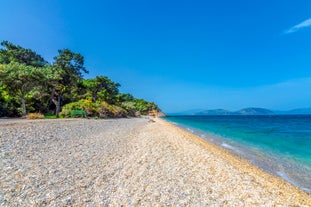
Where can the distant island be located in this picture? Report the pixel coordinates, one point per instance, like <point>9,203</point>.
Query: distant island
<point>244,111</point>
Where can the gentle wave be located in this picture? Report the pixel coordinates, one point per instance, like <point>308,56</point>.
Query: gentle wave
<point>277,144</point>
<point>288,179</point>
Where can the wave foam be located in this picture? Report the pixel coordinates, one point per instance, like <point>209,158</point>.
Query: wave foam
<point>228,146</point>
<point>190,130</point>
<point>225,145</point>
<point>288,179</point>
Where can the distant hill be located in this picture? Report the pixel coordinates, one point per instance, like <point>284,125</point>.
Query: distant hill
<point>214,112</point>
<point>296,111</point>
<point>245,111</point>
<point>254,111</point>
<point>187,113</point>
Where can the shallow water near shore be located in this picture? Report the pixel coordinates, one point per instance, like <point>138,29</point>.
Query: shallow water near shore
<point>280,145</point>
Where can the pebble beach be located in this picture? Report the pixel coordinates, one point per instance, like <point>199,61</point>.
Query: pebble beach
<point>128,162</point>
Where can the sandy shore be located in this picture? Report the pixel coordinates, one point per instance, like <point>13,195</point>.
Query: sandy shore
<point>129,162</point>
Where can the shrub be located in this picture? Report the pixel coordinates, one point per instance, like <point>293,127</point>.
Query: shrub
<point>49,116</point>
<point>85,105</point>
<point>35,116</point>
<point>99,109</point>
<point>102,109</point>
<point>130,108</point>
<point>65,113</point>
<point>137,114</point>
<point>118,112</point>
<point>106,110</point>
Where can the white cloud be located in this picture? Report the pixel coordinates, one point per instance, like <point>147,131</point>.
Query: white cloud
<point>306,23</point>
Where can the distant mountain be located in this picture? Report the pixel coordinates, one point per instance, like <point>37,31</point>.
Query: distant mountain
<point>214,112</point>
<point>296,111</point>
<point>254,111</point>
<point>245,111</point>
<point>188,112</point>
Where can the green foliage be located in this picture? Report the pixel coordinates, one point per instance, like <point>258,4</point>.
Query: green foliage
<point>130,108</point>
<point>15,53</point>
<point>28,81</point>
<point>101,88</point>
<point>3,110</point>
<point>97,109</point>
<point>133,105</point>
<point>85,105</point>
<point>144,107</point>
<point>9,106</point>
<point>106,110</point>
<point>70,65</point>
<point>64,75</point>
<point>121,97</point>
<point>19,79</point>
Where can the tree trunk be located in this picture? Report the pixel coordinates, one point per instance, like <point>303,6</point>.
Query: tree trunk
<point>23,106</point>
<point>56,101</point>
<point>58,106</point>
<point>94,98</point>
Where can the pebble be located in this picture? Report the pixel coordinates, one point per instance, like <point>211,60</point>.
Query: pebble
<point>125,162</point>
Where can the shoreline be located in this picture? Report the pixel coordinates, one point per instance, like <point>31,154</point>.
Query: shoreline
<point>129,162</point>
<point>236,154</point>
<point>240,162</point>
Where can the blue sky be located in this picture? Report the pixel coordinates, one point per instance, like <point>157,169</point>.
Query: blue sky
<point>180,54</point>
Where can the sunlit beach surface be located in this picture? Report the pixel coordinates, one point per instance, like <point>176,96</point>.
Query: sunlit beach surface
<point>129,162</point>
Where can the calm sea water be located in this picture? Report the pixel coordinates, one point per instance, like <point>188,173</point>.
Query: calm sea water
<point>280,145</point>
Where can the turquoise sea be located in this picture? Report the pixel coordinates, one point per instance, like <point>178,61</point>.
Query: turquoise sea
<point>280,145</point>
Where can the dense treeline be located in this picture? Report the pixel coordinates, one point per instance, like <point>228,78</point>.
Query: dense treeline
<point>30,84</point>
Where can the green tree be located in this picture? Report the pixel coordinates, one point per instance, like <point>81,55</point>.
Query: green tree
<point>26,77</point>
<point>125,97</point>
<point>2,100</point>
<point>64,75</point>
<point>19,79</point>
<point>144,106</point>
<point>16,53</point>
<point>101,88</point>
